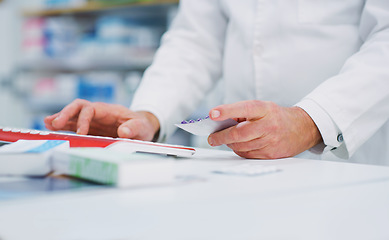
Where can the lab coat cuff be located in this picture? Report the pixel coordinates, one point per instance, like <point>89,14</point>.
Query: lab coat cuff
<point>330,133</point>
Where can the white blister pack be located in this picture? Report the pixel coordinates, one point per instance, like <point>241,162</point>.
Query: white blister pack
<point>205,126</point>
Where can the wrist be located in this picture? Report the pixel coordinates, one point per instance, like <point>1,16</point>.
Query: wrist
<point>312,133</point>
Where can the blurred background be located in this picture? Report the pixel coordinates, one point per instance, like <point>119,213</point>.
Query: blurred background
<point>53,51</point>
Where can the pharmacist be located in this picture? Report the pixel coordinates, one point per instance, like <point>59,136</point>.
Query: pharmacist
<point>301,76</point>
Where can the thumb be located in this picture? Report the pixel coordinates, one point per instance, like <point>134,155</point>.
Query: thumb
<point>127,130</point>
<point>136,128</point>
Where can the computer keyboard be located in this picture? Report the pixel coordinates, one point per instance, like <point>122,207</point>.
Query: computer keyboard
<point>9,135</point>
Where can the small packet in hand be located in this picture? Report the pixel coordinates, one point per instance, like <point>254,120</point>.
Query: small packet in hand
<point>205,126</point>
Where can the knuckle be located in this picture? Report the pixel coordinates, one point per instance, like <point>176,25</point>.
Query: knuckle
<point>136,124</point>
<point>83,102</point>
<point>235,135</point>
<point>79,101</point>
<point>249,106</point>
<point>236,147</point>
<point>271,107</point>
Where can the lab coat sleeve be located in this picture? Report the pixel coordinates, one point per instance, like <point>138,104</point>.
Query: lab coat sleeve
<point>357,99</point>
<point>330,132</point>
<point>186,66</point>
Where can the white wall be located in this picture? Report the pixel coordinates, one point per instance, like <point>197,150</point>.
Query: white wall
<point>12,109</point>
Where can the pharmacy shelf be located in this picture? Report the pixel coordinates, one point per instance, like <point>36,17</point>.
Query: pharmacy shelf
<point>46,105</point>
<point>94,7</point>
<point>83,65</point>
<point>34,65</point>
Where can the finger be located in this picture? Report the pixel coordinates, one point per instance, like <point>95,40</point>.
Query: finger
<point>50,118</point>
<point>48,121</point>
<point>68,112</point>
<point>70,126</point>
<point>263,153</point>
<point>252,145</point>
<point>267,150</point>
<point>135,129</point>
<point>102,131</point>
<point>247,109</point>
<point>243,132</point>
<point>85,117</point>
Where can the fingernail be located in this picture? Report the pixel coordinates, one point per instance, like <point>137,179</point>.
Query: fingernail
<point>210,141</point>
<point>126,131</point>
<point>215,113</point>
<point>54,122</point>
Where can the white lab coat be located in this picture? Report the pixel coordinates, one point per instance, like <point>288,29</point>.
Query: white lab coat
<point>329,57</point>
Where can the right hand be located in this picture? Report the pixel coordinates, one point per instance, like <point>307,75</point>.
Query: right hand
<point>102,119</point>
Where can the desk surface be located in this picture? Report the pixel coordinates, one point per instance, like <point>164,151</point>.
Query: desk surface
<point>307,199</point>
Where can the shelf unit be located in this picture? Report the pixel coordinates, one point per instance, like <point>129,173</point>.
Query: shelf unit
<point>95,7</point>
<point>80,65</point>
<point>34,69</point>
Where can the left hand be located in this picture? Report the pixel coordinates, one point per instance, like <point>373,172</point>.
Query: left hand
<point>103,119</point>
<point>265,130</point>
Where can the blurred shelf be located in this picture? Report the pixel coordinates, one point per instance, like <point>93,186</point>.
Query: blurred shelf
<point>83,65</point>
<point>34,64</point>
<point>94,7</point>
<point>46,104</point>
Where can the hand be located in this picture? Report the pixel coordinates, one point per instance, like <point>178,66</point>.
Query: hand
<point>265,130</point>
<point>104,119</point>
